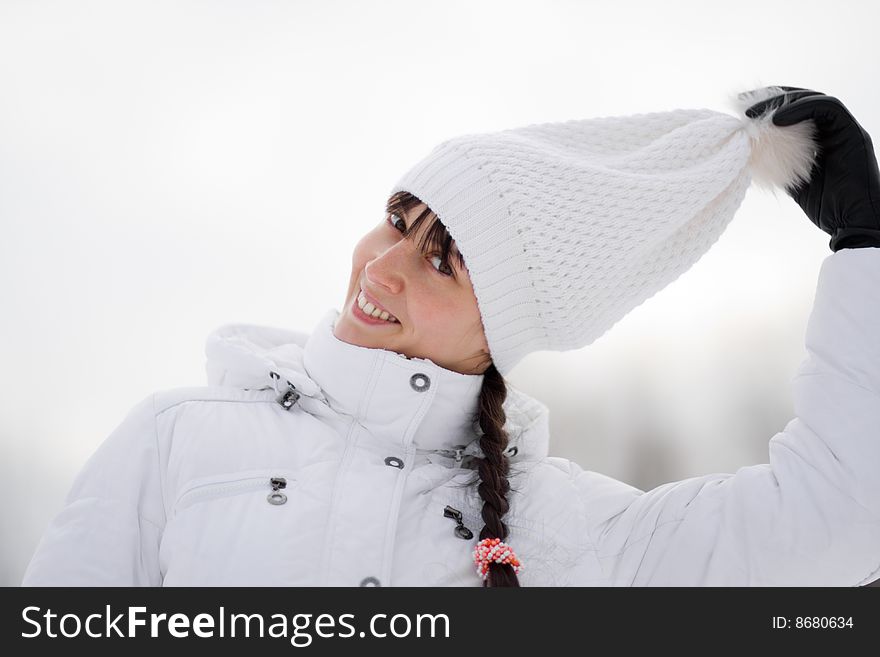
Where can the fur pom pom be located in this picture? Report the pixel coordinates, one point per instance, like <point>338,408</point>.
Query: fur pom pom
<point>782,156</point>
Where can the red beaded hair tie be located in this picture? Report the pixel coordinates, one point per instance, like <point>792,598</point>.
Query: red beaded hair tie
<point>494,549</point>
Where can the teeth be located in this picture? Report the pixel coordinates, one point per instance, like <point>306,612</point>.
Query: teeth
<point>371,310</point>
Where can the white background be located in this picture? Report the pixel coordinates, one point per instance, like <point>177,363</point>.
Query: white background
<point>167,167</point>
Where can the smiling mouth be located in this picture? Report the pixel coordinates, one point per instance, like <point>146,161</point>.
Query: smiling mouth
<point>372,312</point>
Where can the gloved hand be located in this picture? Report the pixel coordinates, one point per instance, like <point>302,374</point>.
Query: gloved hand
<point>842,196</point>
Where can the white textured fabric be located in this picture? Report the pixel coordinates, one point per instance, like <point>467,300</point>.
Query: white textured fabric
<point>566,227</point>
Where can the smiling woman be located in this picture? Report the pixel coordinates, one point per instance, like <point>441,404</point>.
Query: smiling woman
<point>409,266</point>
<point>367,452</point>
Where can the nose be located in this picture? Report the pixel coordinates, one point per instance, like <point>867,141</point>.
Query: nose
<point>388,269</point>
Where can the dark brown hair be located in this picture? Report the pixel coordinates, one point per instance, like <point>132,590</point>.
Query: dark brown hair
<point>494,467</point>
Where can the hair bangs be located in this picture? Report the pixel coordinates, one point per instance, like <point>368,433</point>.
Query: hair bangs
<point>435,239</point>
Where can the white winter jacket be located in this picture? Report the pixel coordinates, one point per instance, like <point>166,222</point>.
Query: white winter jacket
<point>344,480</point>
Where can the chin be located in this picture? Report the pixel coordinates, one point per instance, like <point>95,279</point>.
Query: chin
<point>347,330</point>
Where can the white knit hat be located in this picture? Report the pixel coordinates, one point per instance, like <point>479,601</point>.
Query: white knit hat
<point>566,227</point>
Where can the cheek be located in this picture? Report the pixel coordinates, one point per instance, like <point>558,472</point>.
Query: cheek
<point>358,254</point>
<point>442,314</point>
<point>362,254</point>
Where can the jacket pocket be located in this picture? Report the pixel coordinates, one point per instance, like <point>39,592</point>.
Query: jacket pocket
<point>275,483</point>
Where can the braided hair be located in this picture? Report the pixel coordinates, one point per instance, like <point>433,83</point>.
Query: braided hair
<point>493,468</point>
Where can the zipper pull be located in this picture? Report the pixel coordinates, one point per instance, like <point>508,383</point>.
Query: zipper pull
<point>457,453</point>
<point>460,530</point>
<point>276,496</point>
<point>289,397</point>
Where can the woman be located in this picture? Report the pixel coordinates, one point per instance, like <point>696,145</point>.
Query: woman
<point>385,449</point>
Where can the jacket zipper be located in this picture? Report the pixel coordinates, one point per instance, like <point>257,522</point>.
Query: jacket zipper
<point>211,490</point>
<point>457,454</point>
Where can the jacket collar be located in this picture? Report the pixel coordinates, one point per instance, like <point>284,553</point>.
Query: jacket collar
<point>409,400</point>
<point>395,398</point>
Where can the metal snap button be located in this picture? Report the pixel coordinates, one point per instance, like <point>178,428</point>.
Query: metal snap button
<point>420,382</point>
<point>370,581</point>
<point>394,462</point>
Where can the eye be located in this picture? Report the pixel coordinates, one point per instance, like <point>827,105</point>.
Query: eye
<point>393,219</point>
<point>448,271</point>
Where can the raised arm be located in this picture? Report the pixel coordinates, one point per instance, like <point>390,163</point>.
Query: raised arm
<point>811,516</point>
<point>109,530</point>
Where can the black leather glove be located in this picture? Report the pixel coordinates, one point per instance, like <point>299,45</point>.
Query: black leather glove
<point>842,196</point>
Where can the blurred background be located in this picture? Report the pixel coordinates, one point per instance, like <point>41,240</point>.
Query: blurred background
<point>170,166</point>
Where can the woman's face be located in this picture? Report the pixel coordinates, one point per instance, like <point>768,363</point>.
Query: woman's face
<point>437,314</point>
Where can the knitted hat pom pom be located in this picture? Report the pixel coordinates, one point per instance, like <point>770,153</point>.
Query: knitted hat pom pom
<point>781,157</point>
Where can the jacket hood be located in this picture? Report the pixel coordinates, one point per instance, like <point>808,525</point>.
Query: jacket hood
<point>379,388</point>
